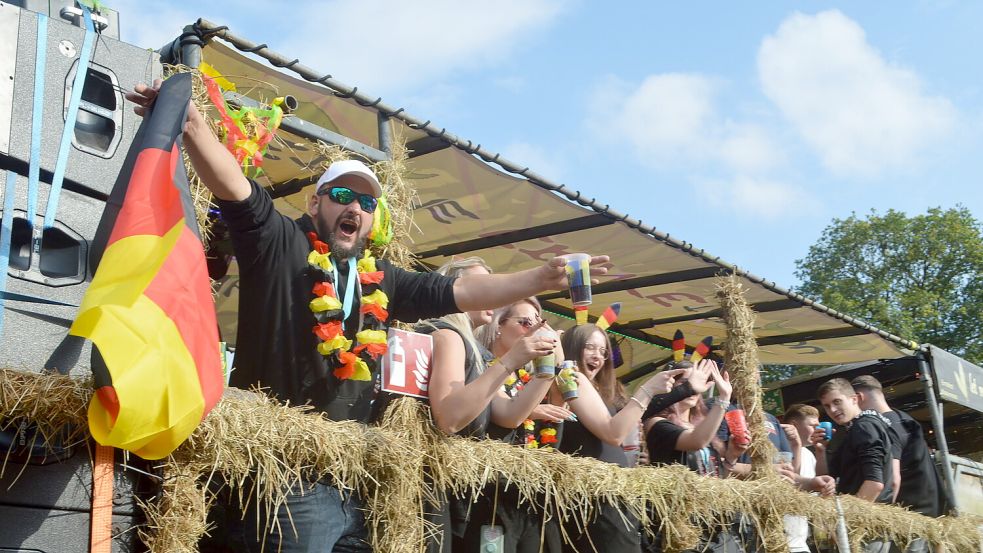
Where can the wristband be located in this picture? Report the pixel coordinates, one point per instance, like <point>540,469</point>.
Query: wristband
<point>640,404</point>
<point>714,402</point>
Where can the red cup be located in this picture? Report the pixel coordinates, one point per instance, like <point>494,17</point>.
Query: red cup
<point>737,425</point>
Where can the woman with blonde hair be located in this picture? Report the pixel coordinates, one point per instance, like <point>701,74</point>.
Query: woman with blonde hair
<point>465,387</point>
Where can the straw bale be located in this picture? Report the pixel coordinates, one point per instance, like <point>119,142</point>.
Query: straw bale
<point>741,361</point>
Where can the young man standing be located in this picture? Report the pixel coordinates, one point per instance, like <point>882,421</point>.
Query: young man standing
<point>920,487</point>
<point>861,463</point>
<point>308,325</point>
<point>801,422</point>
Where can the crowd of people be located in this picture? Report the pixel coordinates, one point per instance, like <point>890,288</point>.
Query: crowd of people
<point>313,303</point>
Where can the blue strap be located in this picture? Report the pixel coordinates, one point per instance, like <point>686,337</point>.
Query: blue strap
<point>6,228</point>
<point>346,305</point>
<point>34,171</point>
<point>73,109</point>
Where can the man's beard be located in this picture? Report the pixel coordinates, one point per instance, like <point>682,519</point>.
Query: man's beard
<point>340,251</point>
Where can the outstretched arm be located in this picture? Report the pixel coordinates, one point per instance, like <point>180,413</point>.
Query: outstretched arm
<point>476,292</point>
<point>215,165</point>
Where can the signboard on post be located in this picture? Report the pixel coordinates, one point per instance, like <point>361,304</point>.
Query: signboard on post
<point>958,380</point>
<point>406,365</point>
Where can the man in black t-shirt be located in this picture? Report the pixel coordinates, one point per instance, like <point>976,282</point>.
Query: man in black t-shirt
<point>920,487</point>
<point>862,462</point>
<point>276,347</point>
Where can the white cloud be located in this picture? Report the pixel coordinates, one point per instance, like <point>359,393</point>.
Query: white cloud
<point>392,45</point>
<point>860,112</point>
<point>674,123</point>
<point>383,47</point>
<point>672,120</point>
<point>537,159</point>
<point>748,148</point>
<point>745,196</point>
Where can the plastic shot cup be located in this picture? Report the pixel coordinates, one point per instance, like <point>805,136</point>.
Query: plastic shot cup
<point>782,458</point>
<point>545,366</point>
<point>737,424</point>
<point>578,278</point>
<point>828,428</point>
<point>566,381</point>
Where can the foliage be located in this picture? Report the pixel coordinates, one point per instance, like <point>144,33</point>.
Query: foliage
<point>919,277</point>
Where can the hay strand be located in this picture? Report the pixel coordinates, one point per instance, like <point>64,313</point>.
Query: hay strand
<point>259,447</point>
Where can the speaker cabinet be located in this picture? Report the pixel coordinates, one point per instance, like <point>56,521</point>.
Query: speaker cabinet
<point>106,123</point>
<point>46,502</point>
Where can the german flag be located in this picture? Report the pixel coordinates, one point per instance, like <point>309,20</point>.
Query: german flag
<point>149,310</point>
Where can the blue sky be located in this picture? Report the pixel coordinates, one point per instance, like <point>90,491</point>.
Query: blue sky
<point>744,128</point>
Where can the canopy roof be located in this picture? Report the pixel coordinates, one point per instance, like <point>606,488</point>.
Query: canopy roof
<point>473,202</point>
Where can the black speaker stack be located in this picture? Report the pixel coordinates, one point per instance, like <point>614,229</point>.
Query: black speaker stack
<point>34,331</point>
<point>45,494</point>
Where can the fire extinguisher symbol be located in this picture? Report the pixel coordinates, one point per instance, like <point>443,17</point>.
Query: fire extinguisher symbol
<point>397,362</point>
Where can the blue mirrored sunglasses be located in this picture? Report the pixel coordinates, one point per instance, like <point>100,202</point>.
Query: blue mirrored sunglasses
<point>345,196</point>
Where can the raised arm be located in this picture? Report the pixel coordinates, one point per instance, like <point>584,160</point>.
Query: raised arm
<point>475,292</point>
<point>215,165</point>
<point>693,439</point>
<point>612,429</point>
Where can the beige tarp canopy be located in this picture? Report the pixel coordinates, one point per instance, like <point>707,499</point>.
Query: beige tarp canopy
<point>471,207</point>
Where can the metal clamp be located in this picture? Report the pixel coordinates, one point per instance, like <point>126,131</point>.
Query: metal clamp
<point>73,14</point>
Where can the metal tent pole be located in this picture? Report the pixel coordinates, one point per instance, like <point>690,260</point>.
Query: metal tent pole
<point>934,408</point>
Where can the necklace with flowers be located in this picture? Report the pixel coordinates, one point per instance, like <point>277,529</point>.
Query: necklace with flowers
<point>547,429</point>
<point>349,359</point>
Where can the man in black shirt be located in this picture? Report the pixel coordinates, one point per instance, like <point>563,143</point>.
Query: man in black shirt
<point>862,462</point>
<point>920,487</point>
<point>284,265</point>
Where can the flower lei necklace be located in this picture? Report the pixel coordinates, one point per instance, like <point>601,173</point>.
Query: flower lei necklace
<point>355,360</point>
<point>547,429</point>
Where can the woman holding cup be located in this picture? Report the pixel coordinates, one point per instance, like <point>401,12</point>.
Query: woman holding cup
<point>465,389</point>
<point>511,329</point>
<point>605,417</point>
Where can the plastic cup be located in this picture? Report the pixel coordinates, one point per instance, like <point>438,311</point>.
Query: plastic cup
<point>566,381</point>
<point>782,458</point>
<point>545,366</point>
<point>578,278</point>
<point>737,424</point>
<point>828,428</point>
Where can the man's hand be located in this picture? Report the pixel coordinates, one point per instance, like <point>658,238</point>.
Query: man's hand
<point>787,472</point>
<point>825,485</point>
<point>554,274</point>
<point>793,436</point>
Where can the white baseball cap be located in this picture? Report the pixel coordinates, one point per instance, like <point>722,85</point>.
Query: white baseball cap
<point>351,167</point>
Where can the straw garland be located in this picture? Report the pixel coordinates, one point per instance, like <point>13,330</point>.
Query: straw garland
<point>259,447</point>
<point>741,361</point>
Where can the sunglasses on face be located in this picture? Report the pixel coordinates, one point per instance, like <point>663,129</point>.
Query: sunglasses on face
<point>525,322</point>
<point>345,196</point>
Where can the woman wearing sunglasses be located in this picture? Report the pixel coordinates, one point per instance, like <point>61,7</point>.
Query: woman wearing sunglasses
<point>466,389</point>
<point>510,331</point>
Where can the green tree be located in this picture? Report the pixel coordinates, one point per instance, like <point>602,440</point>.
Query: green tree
<point>918,277</point>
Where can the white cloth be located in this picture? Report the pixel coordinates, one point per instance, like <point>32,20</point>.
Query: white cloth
<point>796,527</point>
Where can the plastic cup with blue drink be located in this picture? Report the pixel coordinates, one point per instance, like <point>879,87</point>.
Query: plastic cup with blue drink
<point>827,428</point>
<point>545,366</point>
<point>566,380</point>
<point>578,278</point>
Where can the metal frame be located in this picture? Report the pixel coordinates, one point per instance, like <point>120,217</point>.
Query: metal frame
<point>927,371</point>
